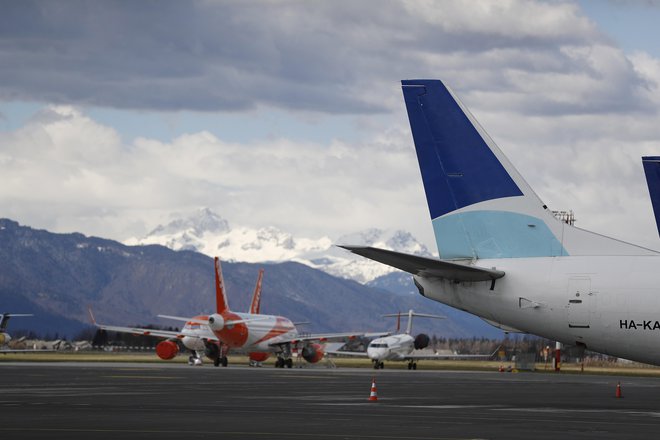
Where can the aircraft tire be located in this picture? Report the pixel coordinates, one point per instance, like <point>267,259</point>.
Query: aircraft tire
<point>224,361</point>
<point>216,362</point>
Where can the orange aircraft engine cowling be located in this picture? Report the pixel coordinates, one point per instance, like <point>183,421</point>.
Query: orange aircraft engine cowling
<point>259,356</point>
<point>313,353</point>
<point>166,350</point>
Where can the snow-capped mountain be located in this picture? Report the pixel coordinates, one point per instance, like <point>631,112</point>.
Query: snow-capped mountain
<point>208,233</point>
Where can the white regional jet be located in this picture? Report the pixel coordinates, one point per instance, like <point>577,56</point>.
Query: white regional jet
<point>403,346</point>
<point>506,258</point>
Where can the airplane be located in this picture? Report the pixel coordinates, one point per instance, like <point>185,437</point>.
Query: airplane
<point>403,346</point>
<point>262,335</point>
<point>5,338</point>
<point>195,336</point>
<point>503,255</point>
<point>257,334</point>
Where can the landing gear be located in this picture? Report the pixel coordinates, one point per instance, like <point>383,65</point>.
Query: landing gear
<point>220,360</point>
<point>412,365</point>
<point>284,357</point>
<point>281,363</point>
<point>378,365</point>
<point>217,352</point>
<point>194,360</point>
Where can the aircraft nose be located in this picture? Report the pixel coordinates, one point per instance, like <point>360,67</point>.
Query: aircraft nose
<point>374,353</point>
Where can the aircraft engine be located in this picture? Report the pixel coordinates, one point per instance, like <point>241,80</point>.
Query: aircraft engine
<point>313,353</point>
<point>259,356</point>
<point>216,322</point>
<point>166,350</point>
<point>421,341</point>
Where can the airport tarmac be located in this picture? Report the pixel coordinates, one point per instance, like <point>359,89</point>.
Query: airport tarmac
<point>93,400</point>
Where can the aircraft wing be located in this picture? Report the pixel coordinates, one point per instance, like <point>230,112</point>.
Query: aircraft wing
<point>426,267</point>
<point>448,356</point>
<point>417,356</point>
<point>360,354</point>
<point>326,337</point>
<point>141,331</point>
<point>144,331</point>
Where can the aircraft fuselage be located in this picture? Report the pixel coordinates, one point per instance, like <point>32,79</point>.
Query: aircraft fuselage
<point>391,348</point>
<point>611,304</point>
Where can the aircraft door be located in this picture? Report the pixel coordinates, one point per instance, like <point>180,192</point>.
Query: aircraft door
<point>580,302</point>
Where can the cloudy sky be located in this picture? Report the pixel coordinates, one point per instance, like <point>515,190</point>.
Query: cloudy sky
<point>116,116</point>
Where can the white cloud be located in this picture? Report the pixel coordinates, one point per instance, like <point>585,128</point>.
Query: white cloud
<point>300,187</point>
<point>572,110</point>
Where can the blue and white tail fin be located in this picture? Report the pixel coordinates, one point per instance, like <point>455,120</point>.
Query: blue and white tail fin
<point>480,205</point>
<point>652,170</point>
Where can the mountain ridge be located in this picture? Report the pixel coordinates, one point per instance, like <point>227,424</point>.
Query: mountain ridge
<point>207,232</point>
<point>57,276</point>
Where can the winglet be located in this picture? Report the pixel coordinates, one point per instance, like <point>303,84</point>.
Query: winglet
<point>255,306</point>
<point>221,304</point>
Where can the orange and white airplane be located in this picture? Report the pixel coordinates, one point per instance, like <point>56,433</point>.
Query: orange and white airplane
<point>257,334</point>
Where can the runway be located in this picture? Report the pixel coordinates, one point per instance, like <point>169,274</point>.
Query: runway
<point>89,400</point>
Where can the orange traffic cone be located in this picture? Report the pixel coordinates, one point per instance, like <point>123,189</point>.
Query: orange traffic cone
<point>618,390</point>
<point>373,397</point>
<point>501,370</point>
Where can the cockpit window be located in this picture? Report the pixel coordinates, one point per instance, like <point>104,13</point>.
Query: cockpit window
<point>379,345</point>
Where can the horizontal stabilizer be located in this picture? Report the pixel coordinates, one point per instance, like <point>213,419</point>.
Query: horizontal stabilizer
<point>420,315</point>
<point>426,267</point>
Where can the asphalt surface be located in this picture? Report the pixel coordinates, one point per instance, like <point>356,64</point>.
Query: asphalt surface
<point>99,401</point>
